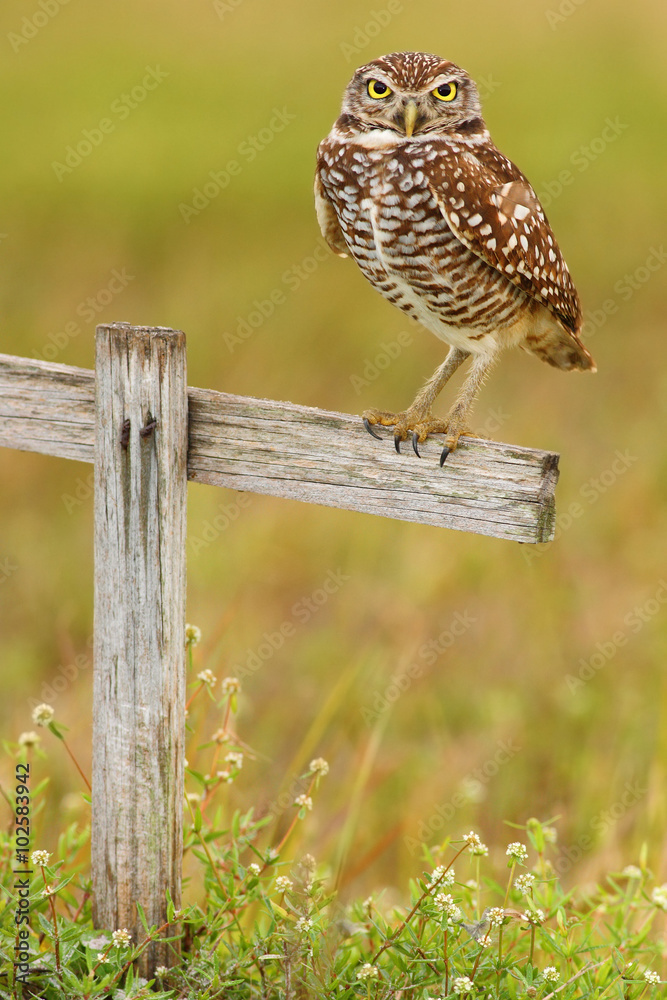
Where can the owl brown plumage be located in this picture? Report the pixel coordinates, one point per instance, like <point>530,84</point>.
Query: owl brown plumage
<point>447,228</point>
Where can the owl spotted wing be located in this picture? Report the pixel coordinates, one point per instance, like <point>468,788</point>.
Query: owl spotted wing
<point>328,220</point>
<point>491,207</point>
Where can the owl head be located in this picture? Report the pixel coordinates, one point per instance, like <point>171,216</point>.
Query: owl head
<point>412,93</point>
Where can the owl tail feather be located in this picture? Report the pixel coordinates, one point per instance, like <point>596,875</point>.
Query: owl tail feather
<point>562,349</point>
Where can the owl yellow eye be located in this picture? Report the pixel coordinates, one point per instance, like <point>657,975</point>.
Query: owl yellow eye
<point>378,90</point>
<point>445,92</point>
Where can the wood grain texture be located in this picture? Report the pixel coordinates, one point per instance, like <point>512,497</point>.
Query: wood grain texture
<point>302,453</point>
<point>139,643</point>
<point>47,408</point>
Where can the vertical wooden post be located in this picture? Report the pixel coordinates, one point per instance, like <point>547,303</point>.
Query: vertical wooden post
<point>141,418</point>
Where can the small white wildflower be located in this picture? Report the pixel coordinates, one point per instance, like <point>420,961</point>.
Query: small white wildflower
<point>444,902</point>
<point>221,736</point>
<point>551,974</point>
<point>524,883</point>
<point>225,776</point>
<point>161,971</point>
<point>29,739</point>
<point>283,883</point>
<point>475,844</point>
<point>40,858</point>
<point>471,884</point>
<point>303,802</point>
<point>495,915</point>
<point>43,714</point>
<point>443,878</point>
<point>206,677</point>
<point>319,766</point>
<point>659,896</point>
<point>101,956</point>
<point>368,971</point>
<point>632,871</point>
<point>230,685</point>
<point>535,917</point>
<point>304,924</point>
<point>192,635</point>
<point>194,798</point>
<point>121,938</point>
<point>48,890</point>
<point>651,977</point>
<point>517,852</point>
<point>462,985</point>
<point>235,759</point>
<point>254,870</point>
<point>550,834</point>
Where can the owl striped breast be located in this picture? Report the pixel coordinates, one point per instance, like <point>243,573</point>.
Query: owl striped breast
<point>398,235</point>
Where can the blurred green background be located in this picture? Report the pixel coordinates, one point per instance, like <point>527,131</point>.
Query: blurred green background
<point>575,94</point>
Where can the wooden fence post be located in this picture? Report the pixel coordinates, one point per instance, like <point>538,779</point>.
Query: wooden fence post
<point>141,419</point>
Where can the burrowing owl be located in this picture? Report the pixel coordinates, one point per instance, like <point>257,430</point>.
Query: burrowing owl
<point>444,226</point>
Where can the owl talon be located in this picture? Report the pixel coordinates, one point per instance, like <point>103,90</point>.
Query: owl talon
<point>415,443</point>
<point>443,457</point>
<point>397,444</point>
<point>369,427</point>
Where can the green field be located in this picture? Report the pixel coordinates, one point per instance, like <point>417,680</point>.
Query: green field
<point>540,686</point>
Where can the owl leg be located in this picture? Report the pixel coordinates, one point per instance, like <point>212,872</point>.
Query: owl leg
<point>456,418</point>
<point>418,416</point>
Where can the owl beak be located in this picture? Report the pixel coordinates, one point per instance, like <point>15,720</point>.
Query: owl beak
<point>410,117</point>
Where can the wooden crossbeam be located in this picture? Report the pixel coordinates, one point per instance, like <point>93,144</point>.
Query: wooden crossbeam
<point>303,453</point>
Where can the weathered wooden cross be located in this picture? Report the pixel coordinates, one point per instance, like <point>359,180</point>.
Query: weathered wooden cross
<point>147,434</point>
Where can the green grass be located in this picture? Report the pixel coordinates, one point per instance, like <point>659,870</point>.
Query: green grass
<point>262,917</point>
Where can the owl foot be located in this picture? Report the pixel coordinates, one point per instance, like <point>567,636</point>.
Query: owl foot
<point>415,425</point>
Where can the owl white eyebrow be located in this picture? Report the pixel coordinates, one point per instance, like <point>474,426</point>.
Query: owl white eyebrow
<point>380,79</point>
<point>440,80</point>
